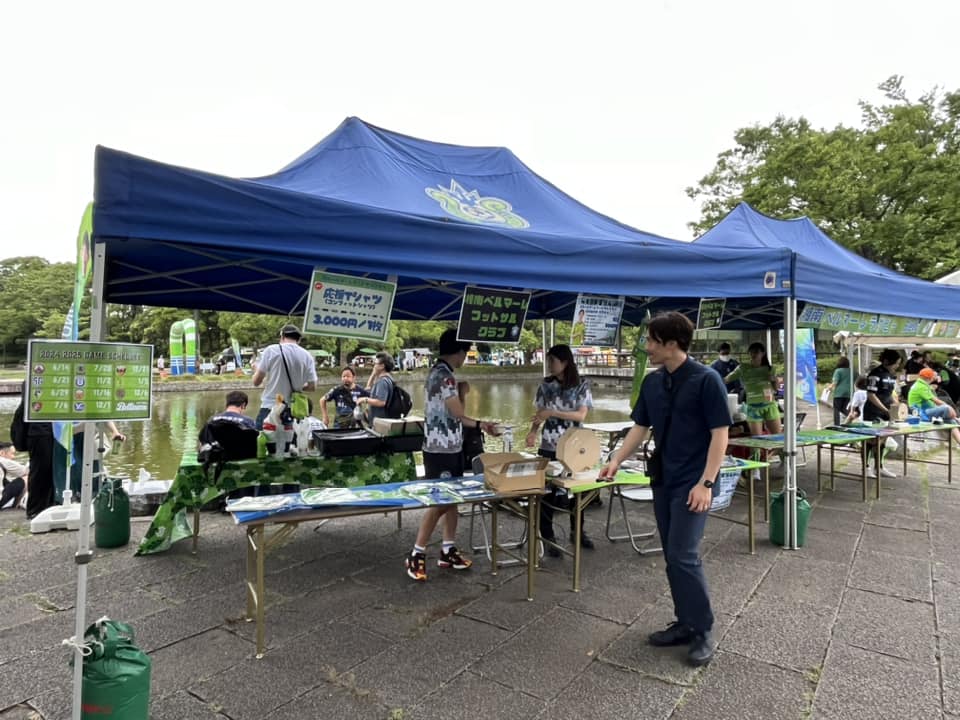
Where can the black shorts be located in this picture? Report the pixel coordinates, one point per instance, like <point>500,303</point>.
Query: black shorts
<point>436,464</point>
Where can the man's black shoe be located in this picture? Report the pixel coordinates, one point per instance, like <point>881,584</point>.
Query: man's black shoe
<point>675,634</point>
<point>701,649</point>
<point>554,551</point>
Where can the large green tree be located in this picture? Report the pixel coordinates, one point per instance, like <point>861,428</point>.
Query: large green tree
<point>889,190</point>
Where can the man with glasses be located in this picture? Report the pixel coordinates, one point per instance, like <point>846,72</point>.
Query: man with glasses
<point>686,405</point>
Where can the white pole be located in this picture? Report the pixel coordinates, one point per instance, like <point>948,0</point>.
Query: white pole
<point>790,423</point>
<point>543,339</point>
<point>84,554</point>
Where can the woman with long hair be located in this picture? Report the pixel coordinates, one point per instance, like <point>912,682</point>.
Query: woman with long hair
<point>760,383</point>
<point>563,400</point>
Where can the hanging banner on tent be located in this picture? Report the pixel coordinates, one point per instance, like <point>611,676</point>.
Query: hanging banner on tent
<point>84,381</point>
<point>347,306</point>
<point>947,329</point>
<point>837,319</point>
<point>492,315</point>
<point>806,387</point>
<point>596,320</point>
<point>710,315</point>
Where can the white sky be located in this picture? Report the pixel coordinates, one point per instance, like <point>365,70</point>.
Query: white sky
<point>621,105</point>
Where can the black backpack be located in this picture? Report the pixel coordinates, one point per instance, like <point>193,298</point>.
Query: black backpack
<point>399,404</point>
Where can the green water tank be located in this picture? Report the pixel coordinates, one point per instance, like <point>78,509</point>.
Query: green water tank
<point>776,518</point>
<point>111,515</point>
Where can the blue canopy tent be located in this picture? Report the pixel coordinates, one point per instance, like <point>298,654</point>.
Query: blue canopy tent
<point>366,201</point>
<point>828,274</point>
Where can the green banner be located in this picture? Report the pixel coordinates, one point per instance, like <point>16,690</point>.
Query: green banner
<point>855,321</point>
<point>84,381</point>
<point>710,316</point>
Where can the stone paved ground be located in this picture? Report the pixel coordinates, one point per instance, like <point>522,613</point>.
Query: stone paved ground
<point>863,622</point>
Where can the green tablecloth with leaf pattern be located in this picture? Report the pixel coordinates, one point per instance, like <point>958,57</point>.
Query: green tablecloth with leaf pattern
<point>193,488</point>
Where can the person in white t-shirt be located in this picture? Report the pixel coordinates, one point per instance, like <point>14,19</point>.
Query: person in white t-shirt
<point>272,374</point>
<point>859,399</point>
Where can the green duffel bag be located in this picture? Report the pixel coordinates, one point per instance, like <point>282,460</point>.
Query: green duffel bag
<point>116,674</point>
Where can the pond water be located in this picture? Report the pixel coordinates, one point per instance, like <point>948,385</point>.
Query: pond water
<point>158,444</point>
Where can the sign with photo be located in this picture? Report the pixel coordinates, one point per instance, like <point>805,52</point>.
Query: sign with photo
<point>596,320</point>
<point>492,315</point>
<point>85,381</point>
<point>347,306</point>
<point>710,316</point>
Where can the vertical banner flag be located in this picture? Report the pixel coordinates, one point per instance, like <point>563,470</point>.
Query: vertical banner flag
<point>63,431</point>
<point>806,365</point>
<point>596,320</point>
<point>639,364</point>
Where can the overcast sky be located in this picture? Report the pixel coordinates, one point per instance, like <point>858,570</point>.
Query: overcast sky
<point>621,108</point>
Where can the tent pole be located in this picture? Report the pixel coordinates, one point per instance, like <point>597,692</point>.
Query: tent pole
<point>790,422</point>
<point>543,338</point>
<point>84,554</point>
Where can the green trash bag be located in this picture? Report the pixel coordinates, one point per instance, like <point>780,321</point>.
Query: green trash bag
<point>116,674</point>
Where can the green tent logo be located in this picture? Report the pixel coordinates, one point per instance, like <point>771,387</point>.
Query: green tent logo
<point>472,207</point>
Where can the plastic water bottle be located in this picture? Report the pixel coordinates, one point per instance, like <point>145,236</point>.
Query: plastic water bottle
<point>67,497</point>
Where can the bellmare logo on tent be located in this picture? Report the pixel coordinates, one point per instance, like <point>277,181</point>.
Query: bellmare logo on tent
<point>469,205</point>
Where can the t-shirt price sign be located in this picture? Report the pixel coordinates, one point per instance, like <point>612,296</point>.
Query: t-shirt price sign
<point>492,315</point>
<point>347,306</point>
<point>85,381</point>
<point>710,316</point>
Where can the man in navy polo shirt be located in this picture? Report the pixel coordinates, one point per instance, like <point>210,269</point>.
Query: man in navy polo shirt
<point>686,405</point>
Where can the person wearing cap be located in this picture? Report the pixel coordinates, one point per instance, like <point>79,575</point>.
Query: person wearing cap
<point>13,476</point>
<point>923,397</point>
<point>299,374</point>
<point>445,418</point>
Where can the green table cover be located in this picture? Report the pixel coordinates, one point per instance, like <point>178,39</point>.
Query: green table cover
<point>192,488</point>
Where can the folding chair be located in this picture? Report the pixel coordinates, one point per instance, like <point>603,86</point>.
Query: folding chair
<point>642,494</point>
<point>803,451</point>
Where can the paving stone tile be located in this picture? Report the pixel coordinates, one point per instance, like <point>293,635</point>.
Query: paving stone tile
<point>746,689</point>
<point>888,574</point>
<point>178,666</point>
<point>858,683</point>
<point>896,541</point>
<point>828,546</point>
<point>181,705</point>
<point>408,671</point>
<point>731,582</point>
<point>605,691</point>
<point>329,700</point>
<point>795,577</point>
<point>847,520</point>
<point>469,696</point>
<point>906,520</point>
<point>881,623</point>
<point>255,687</point>
<point>622,593</point>
<point>947,601</point>
<point>787,634</point>
<point>574,639</point>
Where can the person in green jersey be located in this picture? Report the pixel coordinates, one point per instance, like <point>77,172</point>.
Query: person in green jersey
<point>760,382</point>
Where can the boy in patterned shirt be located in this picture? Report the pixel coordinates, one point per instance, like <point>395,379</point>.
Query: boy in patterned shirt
<point>445,418</point>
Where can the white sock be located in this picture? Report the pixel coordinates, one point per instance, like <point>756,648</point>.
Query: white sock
<point>448,545</point>
<point>417,550</point>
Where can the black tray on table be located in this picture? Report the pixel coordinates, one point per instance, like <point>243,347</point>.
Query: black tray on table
<point>402,443</point>
<point>344,442</point>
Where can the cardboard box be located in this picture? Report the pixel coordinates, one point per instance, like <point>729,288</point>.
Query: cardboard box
<point>389,427</point>
<point>513,472</point>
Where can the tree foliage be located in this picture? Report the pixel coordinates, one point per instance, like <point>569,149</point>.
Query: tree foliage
<point>887,190</point>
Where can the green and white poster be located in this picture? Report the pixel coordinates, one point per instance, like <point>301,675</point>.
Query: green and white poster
<point>347,306</point>
<point>85,381</point>
<point>596,320</point>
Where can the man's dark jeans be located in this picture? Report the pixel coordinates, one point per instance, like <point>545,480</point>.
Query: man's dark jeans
<point>680,534</point>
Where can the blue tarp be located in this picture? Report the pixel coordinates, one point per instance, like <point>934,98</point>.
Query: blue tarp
<point>368,201</point>
<point>826,273</point>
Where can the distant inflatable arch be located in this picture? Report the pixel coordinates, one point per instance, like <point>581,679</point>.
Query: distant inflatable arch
<point>183,347</point>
